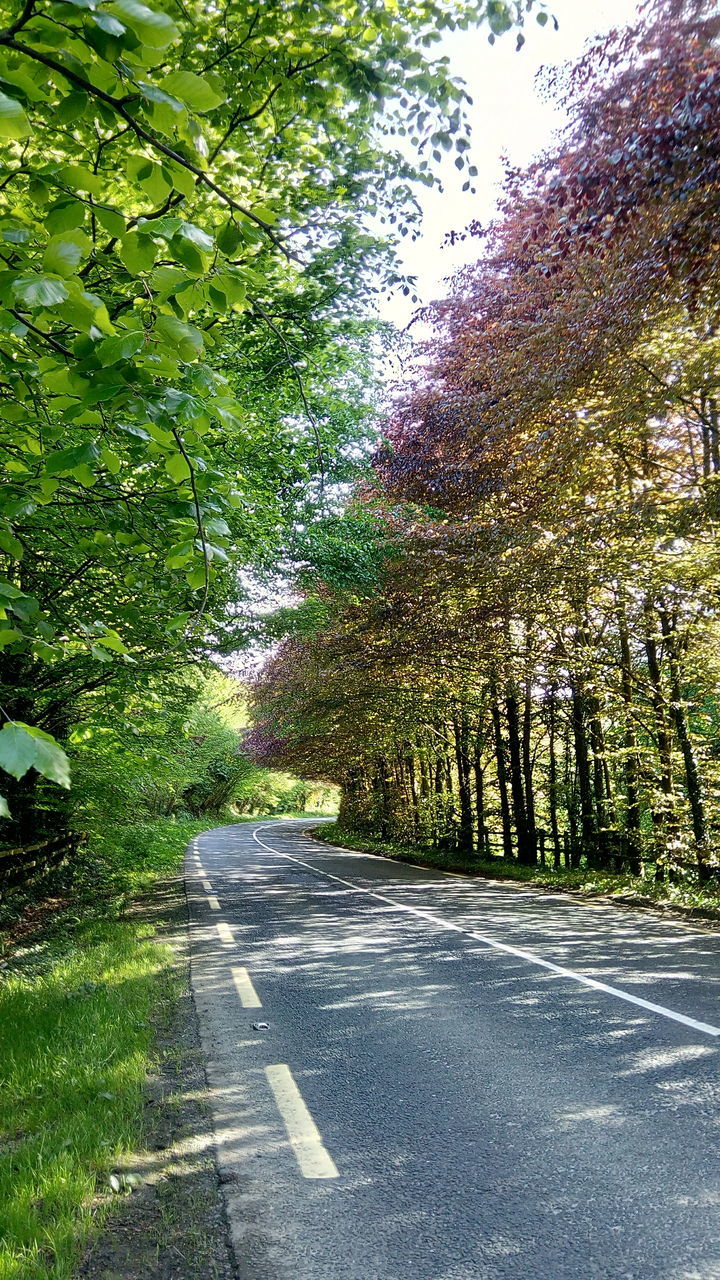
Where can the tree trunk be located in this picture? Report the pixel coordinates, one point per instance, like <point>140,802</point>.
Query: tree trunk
<point>525,838</point>
<point>527,763</point>
<point>582,766</point>
<point>630,764</point>
<point>502,782</point>
<point>664,816</point>
<point>552,780</point>
<point>462,758</point>
<point>482,852</point>
<point>679,717</point>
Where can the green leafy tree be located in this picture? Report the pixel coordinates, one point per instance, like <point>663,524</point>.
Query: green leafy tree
<point>179,189</point>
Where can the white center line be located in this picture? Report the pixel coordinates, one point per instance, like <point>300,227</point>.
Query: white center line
<point>226,934</point>
<point>213,903</point>
<point>207,886</point>
<point>310,1153</point>
<point>249,998</point>
<point>664,1012</point>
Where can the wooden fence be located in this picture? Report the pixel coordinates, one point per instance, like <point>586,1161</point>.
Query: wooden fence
<point>19,867</point>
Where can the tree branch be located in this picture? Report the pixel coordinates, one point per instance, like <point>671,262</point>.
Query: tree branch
<point>22,19</point>
<point>118,105</point>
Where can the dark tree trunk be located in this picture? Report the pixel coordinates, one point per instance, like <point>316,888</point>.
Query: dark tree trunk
<point>664,815</point>
<point>679,717</point>
<point>552,779</point>
<point>630,764</point>
<point>527,762</point>
<point>582,768</point>
<point>482,852</point>
<point>502,782</point>
<point>462,758</point>
<point>525,838</point>
<point>714,434</point>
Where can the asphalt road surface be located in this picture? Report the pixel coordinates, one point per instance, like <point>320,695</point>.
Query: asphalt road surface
<point>417,1076</point>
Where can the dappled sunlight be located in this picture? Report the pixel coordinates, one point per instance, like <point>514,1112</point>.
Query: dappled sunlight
<point>664,1059</point>
<point>607,1114</point>
<point>415,1043</point>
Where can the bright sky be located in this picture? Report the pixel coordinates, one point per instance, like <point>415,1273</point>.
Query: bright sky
<point>508,118</point>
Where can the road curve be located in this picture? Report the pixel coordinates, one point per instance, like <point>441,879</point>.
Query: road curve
<point>457,1080</point>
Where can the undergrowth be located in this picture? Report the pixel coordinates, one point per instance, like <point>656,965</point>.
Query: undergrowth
<point>682,894</point>
<point>77,1000</point>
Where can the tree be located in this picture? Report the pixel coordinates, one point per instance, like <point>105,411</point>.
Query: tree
<point>182,202</point>
<point>548,621</point>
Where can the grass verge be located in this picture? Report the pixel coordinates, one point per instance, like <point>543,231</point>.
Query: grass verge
<point>683,896</point>
<point>76,1009</point>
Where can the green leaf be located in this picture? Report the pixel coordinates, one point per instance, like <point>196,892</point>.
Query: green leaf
<point>150,178</point>
<point>112,641</point>
<point>23,747</point>
<point>46,652</point>
<point>84,475</point>
<point>229,237</point>
<point>101,655</point>
<point>112,221</point>
<point>65,214</point>
<point>8,635</point>
<point>267,215</point>
<point>13,233</point>
<point>179,622</point>
<point>180,554</point>
<point>89,314</point>
<point>39,291</point>
<point>108,24</point>
<point>196,578</point>
<point>153,27</point>
<point>82,179</point>
<point>111,461</point>
<point>233,285</point>
<point>4,811</point>
<point>13,121</point>
<point>182,338</point>
<point>66,460</point>
<point>153,94</point>
<point>195,91</point>
<point>137,252</point>
<point>66,251</point>
<point>11,545</point>
<point>177,468</point>
<point>189,256</point>
<point>182,179</point>
<point>196,236</point>
<point>123,347</point>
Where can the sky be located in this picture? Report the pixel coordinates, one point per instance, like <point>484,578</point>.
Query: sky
<point>508,117</point>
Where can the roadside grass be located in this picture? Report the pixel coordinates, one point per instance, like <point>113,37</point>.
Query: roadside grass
<point>77,1004</point>
<point>681,895</point>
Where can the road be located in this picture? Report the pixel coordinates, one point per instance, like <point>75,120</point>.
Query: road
<point>440,1093</point>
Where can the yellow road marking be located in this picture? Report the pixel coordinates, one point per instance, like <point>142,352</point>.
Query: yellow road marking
<point>305,1140</point>
<point>249,998</point>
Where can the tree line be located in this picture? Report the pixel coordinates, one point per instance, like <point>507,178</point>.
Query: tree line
<point>533,669</point>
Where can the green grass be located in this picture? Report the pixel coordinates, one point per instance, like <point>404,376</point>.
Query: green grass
<point>683,894</point>
<point>76,1011</point>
